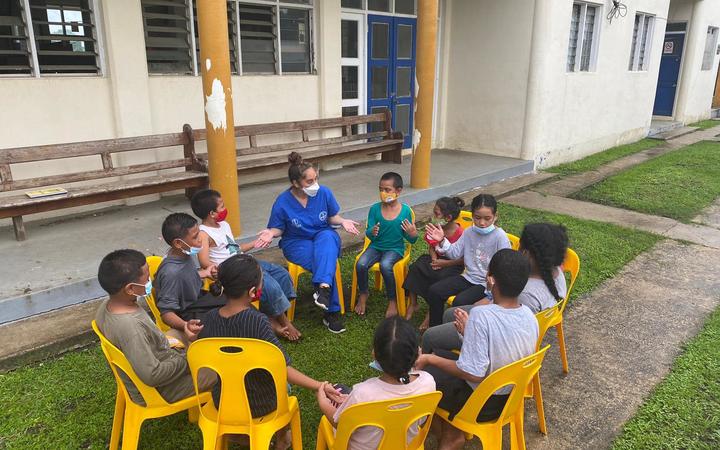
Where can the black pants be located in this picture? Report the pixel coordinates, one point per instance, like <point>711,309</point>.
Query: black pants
<point>204,304</point>
<point>464,291</point>
<point>421,275</point>
<point>456,393</point>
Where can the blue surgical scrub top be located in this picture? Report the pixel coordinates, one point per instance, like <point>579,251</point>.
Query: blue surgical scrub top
<point>298,222</point>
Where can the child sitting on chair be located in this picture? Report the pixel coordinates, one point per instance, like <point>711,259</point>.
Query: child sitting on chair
<point>389,224</point>
<point>495,335</point>
<point>239,278</point>
<point>125,276</point>
<point>395,348</point>
<point>218,244</point>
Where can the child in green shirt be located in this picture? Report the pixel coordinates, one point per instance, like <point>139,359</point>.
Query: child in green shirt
<point>390,223</point>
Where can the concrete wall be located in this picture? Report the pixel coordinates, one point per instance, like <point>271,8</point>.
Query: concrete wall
<point>573,114</point>
<point>484,75</point>
<point>694,96</point>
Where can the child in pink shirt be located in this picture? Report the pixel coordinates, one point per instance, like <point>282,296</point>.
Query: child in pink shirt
<point>395,348</point>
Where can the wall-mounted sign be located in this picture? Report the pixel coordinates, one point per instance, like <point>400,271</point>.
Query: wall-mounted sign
<point>669,47</point>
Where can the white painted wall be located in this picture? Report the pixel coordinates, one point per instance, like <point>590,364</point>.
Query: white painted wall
<point>484,75</point>
<point>696,86</point>
<point>576,114</point>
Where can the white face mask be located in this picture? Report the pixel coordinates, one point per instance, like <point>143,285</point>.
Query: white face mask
<point>312,190</point>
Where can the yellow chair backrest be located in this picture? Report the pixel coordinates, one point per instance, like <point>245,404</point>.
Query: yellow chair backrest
<point>232,359</point>
<point>572,265</point>
<point>153,263</point>
<point>117,360</point>
<point>465,220</point>
<point>519,374</point>
<point>393,416</point>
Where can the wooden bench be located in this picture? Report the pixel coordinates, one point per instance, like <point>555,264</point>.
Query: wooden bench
<point>17,203</point>
<point>377,138</point>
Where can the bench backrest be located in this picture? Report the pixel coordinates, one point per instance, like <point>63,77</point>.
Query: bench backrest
<point>103,150</point>
<point>381,128</point>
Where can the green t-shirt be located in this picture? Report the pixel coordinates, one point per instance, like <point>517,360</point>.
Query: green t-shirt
<point>391,235</point>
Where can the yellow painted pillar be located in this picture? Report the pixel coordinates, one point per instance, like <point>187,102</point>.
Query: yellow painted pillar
<point>217,94</point>
<point>427,25</point>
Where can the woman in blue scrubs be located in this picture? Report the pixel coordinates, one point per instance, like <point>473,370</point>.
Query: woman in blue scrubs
<point>303,216</point>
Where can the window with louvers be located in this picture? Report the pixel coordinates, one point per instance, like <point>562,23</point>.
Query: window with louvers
<point>167,36</point>
<point>258,38</point>
<point>15,55</point>
<point>232,36</point>
<point>65,36</point>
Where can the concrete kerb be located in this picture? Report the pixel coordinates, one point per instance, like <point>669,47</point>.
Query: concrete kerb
<point>67,328</point>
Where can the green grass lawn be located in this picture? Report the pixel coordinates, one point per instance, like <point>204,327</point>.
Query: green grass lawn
<point>67,402</point>
<point>705,124</point>
<point>683,412</point>
<point>596,160</point>
<point>677,185</point>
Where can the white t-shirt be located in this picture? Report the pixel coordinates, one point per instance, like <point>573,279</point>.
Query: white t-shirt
<point>537,296</point>
<point>225,245</point>
<point>476,250</point>
<point>374,389</point>
<point>495,337</point>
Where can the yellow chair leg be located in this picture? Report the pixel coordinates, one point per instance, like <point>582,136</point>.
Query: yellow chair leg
<point>296,431</point>
<point>399,274</point>
<point>378,281</point>
<point>131,430</point>
<point>118,420</point>
<point>339,287</point>
<point>537,394</point>
<point>561,344</point>
<point>193,414</point>
<point>291,310</point>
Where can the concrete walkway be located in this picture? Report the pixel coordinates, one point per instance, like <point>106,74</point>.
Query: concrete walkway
<point>621,340</point>
<point>663,226</point>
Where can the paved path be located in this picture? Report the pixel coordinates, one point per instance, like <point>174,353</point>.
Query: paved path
<point>585,210</point>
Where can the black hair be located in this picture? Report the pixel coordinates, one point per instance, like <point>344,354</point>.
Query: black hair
<point>511,270</point>
<point>395,177</point>
<point>547,243</point>
<point>176,226</point>
<point>450,206</point>
<point>236,276</point>
<point>484,200</point>
<point>396,347</point>
<point>204,202</point>
<point>119,268</point>
<point>298,166</point>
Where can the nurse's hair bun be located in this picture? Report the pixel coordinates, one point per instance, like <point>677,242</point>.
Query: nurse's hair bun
<point>295,158</point>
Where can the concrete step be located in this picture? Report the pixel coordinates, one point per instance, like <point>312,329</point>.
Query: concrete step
<point>673,133</point>
<point>662,126</point>
<point>715,113</point>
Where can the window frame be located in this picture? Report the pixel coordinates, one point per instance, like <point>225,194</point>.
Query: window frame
<point>580,44</point>
<point>364,8</point>
<point>35,72</point>
<point>644,43</point>
<point>708,63</point>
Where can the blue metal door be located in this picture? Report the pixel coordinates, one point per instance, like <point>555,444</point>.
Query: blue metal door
<point>391,70</point>
<point>669,72</point>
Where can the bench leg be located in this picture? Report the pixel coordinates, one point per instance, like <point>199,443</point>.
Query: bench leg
<point>392,156</point>
<point>19,228</point>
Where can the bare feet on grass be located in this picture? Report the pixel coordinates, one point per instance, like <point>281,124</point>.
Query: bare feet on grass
<point>391,309</point>
<point>361,304</point>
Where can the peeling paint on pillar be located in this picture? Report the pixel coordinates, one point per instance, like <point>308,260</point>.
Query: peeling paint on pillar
<point>215,105</point>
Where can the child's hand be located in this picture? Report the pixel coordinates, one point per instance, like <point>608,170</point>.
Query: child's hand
<point>409,228</point>
<point>332,394</point>
<point>437,264</point>
<point>375,230</point>
<point>208,272</point>
<point>435,232</point>
<point>422,361</point>
<point>461,318</point>
<point>192,329</point>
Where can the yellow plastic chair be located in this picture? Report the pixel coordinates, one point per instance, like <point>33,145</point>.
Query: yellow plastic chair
<point>153,263</point>
<point>295,271</point>
<point>518,374</point>
<point>553,317</point>
<point>232,359</point>
<point>393,416</point>
<point>129,416</point>
<point>400,271</point>
<point>514,244</point>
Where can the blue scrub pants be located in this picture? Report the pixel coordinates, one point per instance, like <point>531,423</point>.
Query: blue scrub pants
<point>319,256</point>
<point>277,289</point>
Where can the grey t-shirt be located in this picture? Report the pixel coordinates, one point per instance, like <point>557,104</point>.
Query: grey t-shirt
<point>537,296</point>
<point>476,250</point>
<point>177,284</point>
<point>495,337</point>
<point>149,353</point>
